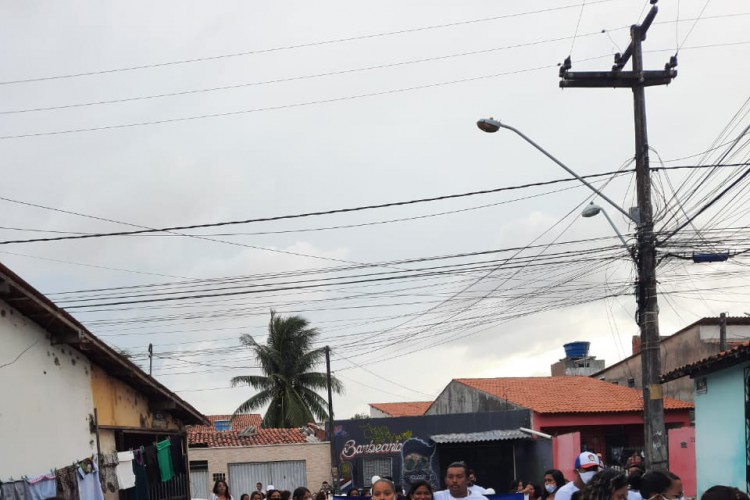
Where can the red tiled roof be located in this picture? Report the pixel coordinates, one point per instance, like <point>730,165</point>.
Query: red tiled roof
<point>407,409</point>
<point>566,394</point>
<point>737,354</point>
<point>207,436</point>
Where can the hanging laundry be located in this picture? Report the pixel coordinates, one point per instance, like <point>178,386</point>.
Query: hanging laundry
<point>42,487</point>
<point>178,457</point>
<point>89,486</point>
<point>140,492</point>
<point>67,482</point>
<point>107,465</point>
<point>124,470</point>
<point>152,465</point>
<point>15,490</point>
<point>164,456</point>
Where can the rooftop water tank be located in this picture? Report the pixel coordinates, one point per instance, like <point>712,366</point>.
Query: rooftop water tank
<point>575,350</point>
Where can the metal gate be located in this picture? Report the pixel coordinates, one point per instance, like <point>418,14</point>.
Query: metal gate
<point>286,475</point>
<point>199,484</point>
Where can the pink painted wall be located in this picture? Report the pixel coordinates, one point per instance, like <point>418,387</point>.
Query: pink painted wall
<point>682,458</point>
<point>565,449</point>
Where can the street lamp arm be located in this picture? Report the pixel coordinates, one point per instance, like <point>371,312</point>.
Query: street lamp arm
<point>619,235</point>
<point>548,155</point>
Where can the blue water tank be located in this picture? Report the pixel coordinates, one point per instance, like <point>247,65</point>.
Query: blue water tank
<point>576,349</point>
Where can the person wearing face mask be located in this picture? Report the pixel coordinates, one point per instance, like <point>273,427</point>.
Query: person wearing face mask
<point>587,464</point>
<point>553,481</point>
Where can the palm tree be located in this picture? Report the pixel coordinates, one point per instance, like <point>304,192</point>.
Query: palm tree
<point>287,384</point>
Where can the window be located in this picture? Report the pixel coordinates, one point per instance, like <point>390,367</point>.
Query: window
<point>198,465</point>
<point>376,467</point>
<point>701,385</point>
<point>222,425</point>
<point>631,382</point>
<point>220,476</point>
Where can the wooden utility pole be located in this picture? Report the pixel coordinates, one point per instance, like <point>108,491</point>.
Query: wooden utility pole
<point>330,413</point>
<point>723,332</point>
<point>655,438</point>
<point>150,358</point>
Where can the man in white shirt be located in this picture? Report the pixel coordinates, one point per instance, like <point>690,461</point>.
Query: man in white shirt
<point>587,464</point>
<point>474,488</point>
<point>457,484</point>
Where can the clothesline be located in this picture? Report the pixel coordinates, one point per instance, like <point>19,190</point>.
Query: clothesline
<point>135,470</point>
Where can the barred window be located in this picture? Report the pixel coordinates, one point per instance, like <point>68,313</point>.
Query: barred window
<point>376,467</point>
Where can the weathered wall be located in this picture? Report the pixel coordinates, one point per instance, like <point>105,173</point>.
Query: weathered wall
<point>459,398</point>
<point>118,404</point>
<point>46,399</point>
<point>720,430</point>
<point>317,457</point>
<point>692,345</point>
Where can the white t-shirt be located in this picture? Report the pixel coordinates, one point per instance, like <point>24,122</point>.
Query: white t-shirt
<point>634,495</point>
<point>446,495</point>
<point>566,491</point>
<point>478,490</point>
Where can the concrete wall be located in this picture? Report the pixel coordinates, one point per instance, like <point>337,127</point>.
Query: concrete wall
<point>46,399</point>
<point>720,430</point>
<point>118,404</point>
<point>317,457</point>
<point>375,413</point>
<point>693,344</point>
<point>459,398</point>
<point>577,367</point>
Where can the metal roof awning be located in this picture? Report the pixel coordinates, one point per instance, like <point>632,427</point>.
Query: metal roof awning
<point>478,437</point>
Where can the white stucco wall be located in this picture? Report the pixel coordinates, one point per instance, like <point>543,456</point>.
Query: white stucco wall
<point>45,400</point>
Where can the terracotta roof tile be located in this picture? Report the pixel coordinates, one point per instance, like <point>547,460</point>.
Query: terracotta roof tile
<point>206,436</point>
<point>739,353</point>
<point>566,394</point>
<point>407,409</point>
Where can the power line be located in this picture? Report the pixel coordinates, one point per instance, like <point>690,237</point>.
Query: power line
<point>298,46</point>
<point>578,24</point>
<point>692,27</point>
<point>279,107</point>
<point>303,215</point>
<point>293,78</point>
<point>334,73</point>
<point>325,101</point>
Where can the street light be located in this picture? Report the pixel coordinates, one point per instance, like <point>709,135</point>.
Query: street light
<point>654,429</point>
<point>593,210</point>
<point>490,125</point>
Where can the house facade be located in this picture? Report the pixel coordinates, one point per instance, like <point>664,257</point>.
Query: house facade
<point>242,453</point>
<point>690,344</point>
<point>608,417</point>
<point>70,396</point>
<point>721,385</point>
<point>406,409</point>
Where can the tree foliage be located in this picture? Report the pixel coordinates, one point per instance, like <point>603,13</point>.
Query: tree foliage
<point>288,385</point>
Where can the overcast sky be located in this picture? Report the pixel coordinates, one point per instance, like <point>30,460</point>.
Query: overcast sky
<point>343,104</point>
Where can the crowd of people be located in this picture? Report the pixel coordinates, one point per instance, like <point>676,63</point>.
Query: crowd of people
<point>221,492</point>
<point>593,481</point>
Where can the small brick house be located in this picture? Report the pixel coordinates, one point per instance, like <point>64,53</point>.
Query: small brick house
<point>243,453</point>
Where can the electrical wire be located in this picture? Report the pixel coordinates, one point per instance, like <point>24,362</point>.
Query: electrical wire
<point>298,46</point>
<point>299,215</point>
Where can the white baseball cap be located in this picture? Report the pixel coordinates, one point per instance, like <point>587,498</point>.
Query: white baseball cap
<point>587,460</point>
